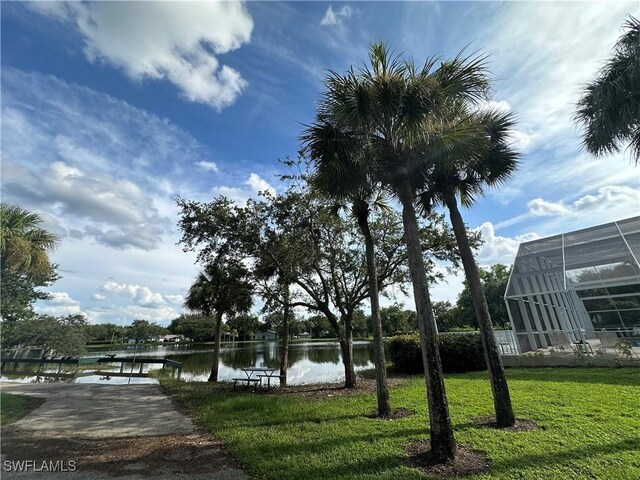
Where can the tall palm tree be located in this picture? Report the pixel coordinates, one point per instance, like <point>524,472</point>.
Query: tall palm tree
<point>339,177</point>
<point>452,176</point>
<point>221,289</point>
<point>609,108</point>
<point>389,104</point>
<point>24,245</point>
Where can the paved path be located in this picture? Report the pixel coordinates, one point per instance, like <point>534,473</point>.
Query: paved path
<point>128,432</point>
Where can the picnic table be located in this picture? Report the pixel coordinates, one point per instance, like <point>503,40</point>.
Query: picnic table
<point>255,375</point>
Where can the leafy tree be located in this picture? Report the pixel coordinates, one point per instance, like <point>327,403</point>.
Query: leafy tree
<point>144,330</point>
<point>494,284</point>
<point>394,106</point>
<point>487,160</point>
<point>361,329</point>
<point>221,289</point>
<point>445,317</point>
<point>105,332</point>
<point>318,326</point>
<point>196,327</point>
<point>273,322</point>
<point>19,293</point>
<point>319,252</point>
<point>258,233</point>
<point>397,320</point>
<point>24,261</point>
<point>56,335</point>
<point>245,325</point>
<point>609,108</point>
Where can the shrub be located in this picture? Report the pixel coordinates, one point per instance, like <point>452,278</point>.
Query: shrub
<point>459,353</point>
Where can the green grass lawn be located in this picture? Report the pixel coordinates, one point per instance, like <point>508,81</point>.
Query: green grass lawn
<point>589,419</point>
<point>14,407</point>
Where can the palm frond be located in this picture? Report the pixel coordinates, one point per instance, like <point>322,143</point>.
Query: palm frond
<point>609,107</point>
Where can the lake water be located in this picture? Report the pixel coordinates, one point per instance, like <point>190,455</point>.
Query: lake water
<point>309,362</point>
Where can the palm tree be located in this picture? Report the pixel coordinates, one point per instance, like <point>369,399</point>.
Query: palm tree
<point>24,245</point>
<point>463,177</point>
<point>390,104</point>
<point>609,108</point>
<point>270,265</point>
<point>342,179</point>
<point>221,289</point>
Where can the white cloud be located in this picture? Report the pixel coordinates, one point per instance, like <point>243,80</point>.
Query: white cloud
<point>114,212</point>
<point>98,297</point>
<point>521,140</point>
<point>124,315</point>
<point>539,207</point>
<point>62,298</point>
<point>621,199</point>
<point>258,184</point>
<point>334,17</point>
<point>210,166</point>
<point>161,315</point>
<point>60,304</point>
<point>499,249</point>
<point>175,299</point>
<point>92,165</point>
<point>240,195</point>
<point>176,41</point>
<point>538,50</point>
<point>559,174</point>
<point>141,296</point>
<point>607,204</point>
<point>498,105</point>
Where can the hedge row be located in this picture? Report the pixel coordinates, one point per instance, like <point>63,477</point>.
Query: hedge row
<point>459,353</point>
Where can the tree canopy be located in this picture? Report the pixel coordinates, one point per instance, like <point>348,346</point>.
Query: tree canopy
<point>24,261</point>
<point>609,107</point>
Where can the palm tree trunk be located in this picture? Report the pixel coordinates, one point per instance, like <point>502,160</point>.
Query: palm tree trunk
<point>216,348</point>
<point>500,389</point>
<point>284,357</point>
<point>384,405</point>
<point>443,444</point>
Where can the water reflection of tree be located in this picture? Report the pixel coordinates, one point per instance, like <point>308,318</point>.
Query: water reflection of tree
<point>362,354</point>
<point>325,354</point>
<point>268,355</point>
<point>237,358</point>
<point>195,363</point>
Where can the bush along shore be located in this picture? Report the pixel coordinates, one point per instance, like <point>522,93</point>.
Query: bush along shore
<point>459,353</point>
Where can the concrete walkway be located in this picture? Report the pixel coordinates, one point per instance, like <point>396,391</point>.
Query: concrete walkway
<point>126,431</point>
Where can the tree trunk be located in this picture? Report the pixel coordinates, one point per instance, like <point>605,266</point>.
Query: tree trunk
<point>384,405</point>
<point>216,348</point>
<point>500,389</point>
<point>346,345</point>
<point>284,357</point>
<point>443,445</point>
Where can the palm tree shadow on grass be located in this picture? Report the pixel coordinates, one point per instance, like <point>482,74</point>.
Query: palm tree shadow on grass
<point>566,456</point>
<point>569,375</point>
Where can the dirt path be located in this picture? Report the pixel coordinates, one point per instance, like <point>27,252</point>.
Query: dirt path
<point>128,432</point>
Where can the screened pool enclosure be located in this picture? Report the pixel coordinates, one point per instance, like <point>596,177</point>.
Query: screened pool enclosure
<point>577,288</point>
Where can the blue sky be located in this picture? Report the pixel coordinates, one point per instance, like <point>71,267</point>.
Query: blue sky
<point>109,110</point>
